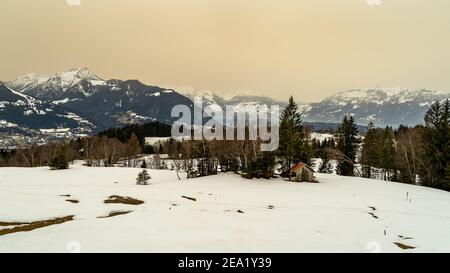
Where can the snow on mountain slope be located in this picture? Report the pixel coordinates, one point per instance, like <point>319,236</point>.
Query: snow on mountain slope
<point>391,106</point>
<point>387,106</point>
<point>30,105</point>
<point>56,85</point>
<point>336,215</point>
<point>29,81</point>
<point>239,103</point>
<point>382,96</point>
<point>210,96</point>
<point>105,104</point>
<point>28,112</point>
<point>6,124</point>
<point>116,102</point>
<point>122,102</point>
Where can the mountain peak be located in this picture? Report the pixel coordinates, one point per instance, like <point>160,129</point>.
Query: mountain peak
<point>28,81</point>
<point>383,94</point>
<point>383,106</point>
<point>75,75</point>
<point>56,84</point>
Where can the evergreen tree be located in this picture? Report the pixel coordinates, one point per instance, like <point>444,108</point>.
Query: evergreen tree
<point>437,145</point>
<point>134,146</point>
<point>386,156</point>
<point>144,164</point>
<point>60,161</point>
<point>133,149</point>
<point>316,148</point>
<point>151,129</point>
<point>143,178</point>
<point>369,153</point>
<point>262,167</point>
<point>348,144</point>
<point>325,166</point>
<point>292,147</point>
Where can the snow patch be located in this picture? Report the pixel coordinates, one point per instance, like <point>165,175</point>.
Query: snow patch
<point>335,215</point>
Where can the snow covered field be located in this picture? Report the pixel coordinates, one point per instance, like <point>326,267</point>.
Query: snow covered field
<point>230,214</point>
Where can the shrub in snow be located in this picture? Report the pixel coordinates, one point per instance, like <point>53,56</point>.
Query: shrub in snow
<point>143,178</point>
<point>60,160</point>
<point>144,164</point>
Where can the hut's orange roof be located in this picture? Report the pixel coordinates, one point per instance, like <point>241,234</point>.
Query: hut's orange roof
<point>297,167</point>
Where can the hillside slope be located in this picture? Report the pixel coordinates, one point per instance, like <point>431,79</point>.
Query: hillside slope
<point>340,214</point>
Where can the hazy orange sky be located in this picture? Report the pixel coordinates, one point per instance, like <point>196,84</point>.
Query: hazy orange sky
<point>308,48</point>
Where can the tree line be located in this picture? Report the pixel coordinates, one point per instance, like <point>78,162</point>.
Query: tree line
<point>414,155</point>
<point>198,158</point>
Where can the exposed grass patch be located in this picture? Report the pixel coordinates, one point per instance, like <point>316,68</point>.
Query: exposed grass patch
<point>115,213</point>
<point>373,215</point>
<point>116,199</point>
<point>405,238</point>
<point>65,195</point>
<point>403,246</point>
<point>189,198</point>
<point>6,224</point>
<point>23,227</point>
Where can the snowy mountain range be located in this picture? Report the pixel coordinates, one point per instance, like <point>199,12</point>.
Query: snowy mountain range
<point>104,103</point>
<point>391,106</point>
<point>238,103</point>
<point>82,102</point>
<point>22,112</point>
<point>58,86</point>
<point>383,106</point>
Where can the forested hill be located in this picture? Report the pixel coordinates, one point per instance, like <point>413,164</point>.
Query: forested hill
<point>150,129</point>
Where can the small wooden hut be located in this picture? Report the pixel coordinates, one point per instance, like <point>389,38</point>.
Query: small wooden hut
<point>303,173</point>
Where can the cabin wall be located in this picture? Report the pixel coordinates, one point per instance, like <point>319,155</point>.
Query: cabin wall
<point>304,175</point>
<point>298,177</point>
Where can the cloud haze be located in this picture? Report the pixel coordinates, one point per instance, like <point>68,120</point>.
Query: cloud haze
<point>309,48</point>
